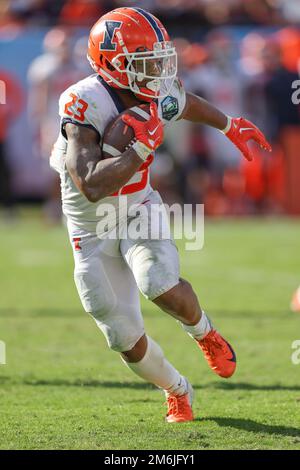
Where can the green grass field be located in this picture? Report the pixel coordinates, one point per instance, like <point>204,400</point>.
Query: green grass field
<point>62,388</point>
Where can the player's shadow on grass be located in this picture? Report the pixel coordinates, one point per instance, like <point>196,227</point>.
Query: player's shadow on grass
<point>253,426</point>
<point>57,382</point>
<point>89,383</point>
<point>250,386</point>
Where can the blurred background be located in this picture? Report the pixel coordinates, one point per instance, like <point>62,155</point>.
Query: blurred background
<point>242,55</point>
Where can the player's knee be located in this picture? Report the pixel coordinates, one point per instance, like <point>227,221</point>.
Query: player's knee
<point>152,288</point>
<point>154,279</point>
<point>155,266</point>
<point>119,333</point>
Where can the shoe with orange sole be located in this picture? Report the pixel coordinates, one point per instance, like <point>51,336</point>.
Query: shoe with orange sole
<point>218,353</point>
<point>295,303</point>
<point>180,408</point>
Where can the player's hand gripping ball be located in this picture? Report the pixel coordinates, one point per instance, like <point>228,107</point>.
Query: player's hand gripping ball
<point>139,127</point>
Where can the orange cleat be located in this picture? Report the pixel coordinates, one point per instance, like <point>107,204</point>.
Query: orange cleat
<point>295,303</point>
<point>180,408</point>
<point>218,353</point>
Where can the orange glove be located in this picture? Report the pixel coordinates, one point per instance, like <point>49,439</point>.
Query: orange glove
<point>149,134</point>
<point>241,131</point>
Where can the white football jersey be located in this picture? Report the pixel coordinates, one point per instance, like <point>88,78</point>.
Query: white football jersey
<point>92,103</point>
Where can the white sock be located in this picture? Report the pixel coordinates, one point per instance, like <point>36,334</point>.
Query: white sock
<point>201,329</point>
<point>155,368</point>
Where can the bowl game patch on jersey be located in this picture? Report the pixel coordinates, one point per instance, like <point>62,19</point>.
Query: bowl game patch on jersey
<point>169,107</point>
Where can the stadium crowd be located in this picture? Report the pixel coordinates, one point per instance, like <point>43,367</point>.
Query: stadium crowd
<point>250,74</point>
<point>84,12</point>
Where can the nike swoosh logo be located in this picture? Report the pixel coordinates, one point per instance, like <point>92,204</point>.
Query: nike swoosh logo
<point>233,358</point>
<point>153,132</point>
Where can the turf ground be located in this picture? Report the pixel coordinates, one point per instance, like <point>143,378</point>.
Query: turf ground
<point>63,389</point>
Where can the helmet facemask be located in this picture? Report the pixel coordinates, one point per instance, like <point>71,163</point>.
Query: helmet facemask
<point>150,73</point>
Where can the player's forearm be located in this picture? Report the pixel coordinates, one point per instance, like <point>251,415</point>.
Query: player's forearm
<point>94,176</point>
<point>199,110</point>
<point>108,176</point>
<point>239,130</point>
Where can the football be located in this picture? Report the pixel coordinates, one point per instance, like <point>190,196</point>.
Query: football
<point>118,136</point>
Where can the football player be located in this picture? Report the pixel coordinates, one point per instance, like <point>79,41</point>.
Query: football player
<point>134,62</point>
